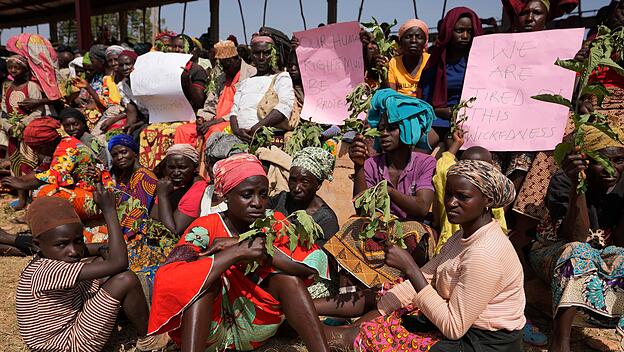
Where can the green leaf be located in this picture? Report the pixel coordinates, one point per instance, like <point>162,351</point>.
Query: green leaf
<point>603,161</point>
<point>555,99</point>
<point>598,90</point>
<point>608,62</point>
<point>570,64</point>
<point>561,150</point>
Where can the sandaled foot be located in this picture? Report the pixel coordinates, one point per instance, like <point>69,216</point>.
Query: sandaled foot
<point>153,343</point>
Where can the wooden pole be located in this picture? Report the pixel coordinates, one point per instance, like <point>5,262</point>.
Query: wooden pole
<point>159,29</point>
<point>332,11</point>
<point>144,26</point>
<point>443,10</point>
<point>360,10</point>
<point>214,20</point>
<point>54,32</point>
<point>240,8</point>
<point>184,18</point>
<point>302,15</point>
<point>264,13</point>
<point>415,9</point>
<point>83,20</point>
<point>123,25</point>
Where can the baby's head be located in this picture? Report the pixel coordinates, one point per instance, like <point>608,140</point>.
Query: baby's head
<point>477,153</point>
<point>56,229</point>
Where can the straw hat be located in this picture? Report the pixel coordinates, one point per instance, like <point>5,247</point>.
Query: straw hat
<point>225,49</point>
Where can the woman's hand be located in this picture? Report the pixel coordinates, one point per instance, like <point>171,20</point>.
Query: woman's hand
<point>252,248</point>
<point>585,104</point>
<point>14,182</point>
<point>220,244</point>
<point>294,42</point>
<point>358,151</point>
<point>29,104</point>
<point>399,258</point>
<point>164,186</point>
<point>573,164</point>
<point>105,199</point>
<point>243,133</point>
<point>79,82</point>
<point>380,61</point>
<point>365,37</point>
<point>107,124</point>
<point>93,173</point>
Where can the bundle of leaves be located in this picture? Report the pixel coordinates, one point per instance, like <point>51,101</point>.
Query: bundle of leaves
<point>607,45</point>
<point>385,45</point>
<point>213,74</point>
<point>359,127</point>
<point>374,204</point>
<point>458,115</point>
<point>262,138</point>
<point>152,229</point>
<point>359,100</point>
<point>15,120</point>
<point>306,134</point>
<point>299,227</point>
<point>111,133</point>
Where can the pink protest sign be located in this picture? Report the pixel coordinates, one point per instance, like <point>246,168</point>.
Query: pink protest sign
<point>331,65</point>
<point>504,71</point>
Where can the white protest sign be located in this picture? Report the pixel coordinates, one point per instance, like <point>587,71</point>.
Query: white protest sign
<point>504,71</point>
<point>156,83</point>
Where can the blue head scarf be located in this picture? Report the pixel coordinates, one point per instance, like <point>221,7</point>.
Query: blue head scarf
<point>413,115</point>
<point>125,140</point>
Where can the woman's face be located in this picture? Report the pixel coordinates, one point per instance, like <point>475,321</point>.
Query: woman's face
<point>303,185</point>
<point>180,169</point>
<point>597,175</point>
<point>463,201</point>
<point>533,17</point>
<point>113,61</point>
<point>125,65</point>
<point>123,157</point>
<point>16,70</point>
<point>177,46</point>
<point>615,18</point>
<point>46,150</point>
<point>261,56</point>
<point>248,201</point>
<point>97,65</point>
<point>390,138</point>
<point>74,127</point>
<point>293,69</point>
<point>413,42</point>
<point>462,33</point>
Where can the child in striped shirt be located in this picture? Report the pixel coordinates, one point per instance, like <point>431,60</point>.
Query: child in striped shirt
<point>66,303</point>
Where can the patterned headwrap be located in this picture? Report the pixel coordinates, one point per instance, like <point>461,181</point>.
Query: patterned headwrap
<point>98,52</point>
<point>18,59</point>
<point>41,130</point>
<point>130,53</point>
<point>594,139</point>
<point>169,34</point>
<point>125,140</point>
<point>411,23</point>
<point>491,182</point>
<point>415,116</point>
<point>221,145</point>
<point>318,161</point>
<point>261,39</point>
<point>230,172</point>
<point>184,149</point>
<point>114,50</point>
<point>46,213</point>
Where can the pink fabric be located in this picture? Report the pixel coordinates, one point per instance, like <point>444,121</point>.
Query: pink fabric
<point>41,60</point>
<point>414,23</point>
<point>191,201</point>
<point>230,172</point>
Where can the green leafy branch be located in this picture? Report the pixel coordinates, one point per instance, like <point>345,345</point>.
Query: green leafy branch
<point>262,138</point>
<point>306,134</point>
<point>385,45</point>
<point>374,204</point>
<point>458,114</point>
<point>15,120</point>
<point>302,231</point>
<point>359,99</point>
<point>602,50</point>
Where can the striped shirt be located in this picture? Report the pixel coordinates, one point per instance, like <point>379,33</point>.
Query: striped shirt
<point>474,282</point>
<point>56,312</point>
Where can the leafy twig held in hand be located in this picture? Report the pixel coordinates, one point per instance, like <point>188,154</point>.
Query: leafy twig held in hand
<point>374,204</point>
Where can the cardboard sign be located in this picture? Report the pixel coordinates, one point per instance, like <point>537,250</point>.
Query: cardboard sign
<point>331,65</point>
<point>504,71</point>
<point>156,83</point>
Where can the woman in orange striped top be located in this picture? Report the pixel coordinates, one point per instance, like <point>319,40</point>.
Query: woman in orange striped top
<point>469,297</point>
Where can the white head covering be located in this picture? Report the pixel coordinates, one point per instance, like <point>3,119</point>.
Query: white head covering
<point>77,62</point>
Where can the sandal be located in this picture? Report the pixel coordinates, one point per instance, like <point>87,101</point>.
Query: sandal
<point>533,336</point>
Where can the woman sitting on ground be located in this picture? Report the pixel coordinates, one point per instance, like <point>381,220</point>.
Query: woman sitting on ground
<point>180,191</point>
<point>404,71</point>
<point>190,300</point>
<point>580,249</point>
<point>469,297</point>
<point>408,174</point>
<point>310,167</point>
<point>71,173</point>
<point>75,124</point>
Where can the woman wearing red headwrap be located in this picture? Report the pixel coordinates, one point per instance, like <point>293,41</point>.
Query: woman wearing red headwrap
<point>202,296</point>
<point>444,76</point>
<point>71,172</point>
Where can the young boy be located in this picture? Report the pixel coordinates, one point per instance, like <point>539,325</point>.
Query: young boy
<point>65,303</point>
<point>439,181</point>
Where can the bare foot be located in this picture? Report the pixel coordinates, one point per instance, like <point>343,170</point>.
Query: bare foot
<point>20,205</point>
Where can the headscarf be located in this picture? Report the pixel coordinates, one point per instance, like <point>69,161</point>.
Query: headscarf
<point>261,39</point>
<point>162,34</point>
<point>318,161</point>
<point>555,8</point>
<point>189,45</point>
<point>46,213</point>
<point>129,53</point>
<point>41,130</point>
<point>73,113</point>
<point>488,179</point>
<point>125,140</point>
<point>414,115</point>
<point>114,50</point>
<point>221,145</point>
<point>183,149</point>
<point>77,62</point>
<point>414,22</point>
<point>594,139</point>
<point>18,59</point>
<point>282,44</point>
<point>98,52</point>
<point>230,172</point>
<point>42,61</point>
<point>437,61</point>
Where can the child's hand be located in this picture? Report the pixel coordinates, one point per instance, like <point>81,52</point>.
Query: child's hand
<point>458,137</point>
<point>105,199</point>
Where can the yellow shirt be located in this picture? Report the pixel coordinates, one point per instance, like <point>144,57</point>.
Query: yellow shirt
<point>439,183</point>
<point>405,82</point>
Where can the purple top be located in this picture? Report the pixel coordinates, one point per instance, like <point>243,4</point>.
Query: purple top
<point>417,175</point>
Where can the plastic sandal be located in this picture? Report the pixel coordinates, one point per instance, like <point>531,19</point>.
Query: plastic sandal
<point>533,336</point>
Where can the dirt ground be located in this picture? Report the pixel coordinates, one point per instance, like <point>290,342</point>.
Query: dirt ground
<point>122,339</point>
